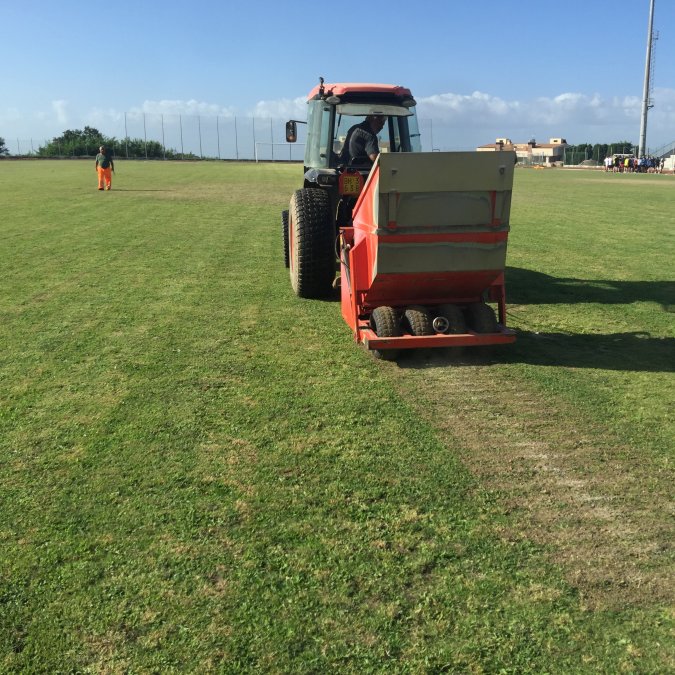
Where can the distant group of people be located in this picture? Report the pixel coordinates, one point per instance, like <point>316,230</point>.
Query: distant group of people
<point>631,164</point>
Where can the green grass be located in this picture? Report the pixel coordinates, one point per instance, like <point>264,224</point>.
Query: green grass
<point>592,275</point>
<point>200,472</point>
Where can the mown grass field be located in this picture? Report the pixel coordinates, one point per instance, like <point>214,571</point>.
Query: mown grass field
<point>201,473</point>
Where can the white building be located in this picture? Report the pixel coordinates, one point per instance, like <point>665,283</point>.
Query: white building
<point>530,152</point>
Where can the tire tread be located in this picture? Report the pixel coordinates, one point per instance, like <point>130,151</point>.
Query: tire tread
<point>313,260</point>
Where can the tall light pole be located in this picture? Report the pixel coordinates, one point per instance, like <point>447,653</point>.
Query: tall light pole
<point>645,91</point>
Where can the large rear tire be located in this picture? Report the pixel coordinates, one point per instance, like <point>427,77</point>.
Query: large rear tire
<point>310,242</point>
<point>284,234</point>
<point>385,323</point>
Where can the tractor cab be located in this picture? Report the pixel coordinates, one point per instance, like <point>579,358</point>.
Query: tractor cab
<point>333,112</point>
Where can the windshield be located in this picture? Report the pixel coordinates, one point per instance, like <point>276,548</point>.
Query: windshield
<point>326,137</point>
<point>364,109</point>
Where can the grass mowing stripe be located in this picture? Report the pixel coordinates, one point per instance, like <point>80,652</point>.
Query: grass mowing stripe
<point>565,480</point>
<point>201,472</point>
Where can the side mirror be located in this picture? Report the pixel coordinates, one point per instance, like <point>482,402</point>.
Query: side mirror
<point>291,131</point>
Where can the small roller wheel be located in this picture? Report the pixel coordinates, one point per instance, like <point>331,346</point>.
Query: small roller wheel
<point>419,321</point>
<point>385,323</point>
<point>284,232</point>
<point>481,318</point>
<point>455,318</point>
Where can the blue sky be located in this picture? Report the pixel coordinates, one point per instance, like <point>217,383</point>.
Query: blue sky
<point>478,69</point>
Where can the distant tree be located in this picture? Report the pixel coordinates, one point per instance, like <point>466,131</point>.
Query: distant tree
<point>621,147</point>
<point>3,147</point>
<point>139,148</point>
<point>598,151</point>
<point>74,142</point>
<point>86,142</point>
<point>602,150</point>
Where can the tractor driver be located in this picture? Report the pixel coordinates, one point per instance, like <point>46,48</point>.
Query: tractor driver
<point>362,141</point>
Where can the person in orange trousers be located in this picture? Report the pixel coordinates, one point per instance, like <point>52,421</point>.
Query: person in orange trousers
<point>105,167</point>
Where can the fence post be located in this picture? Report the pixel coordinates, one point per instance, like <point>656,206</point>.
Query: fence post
<point>145,137</point>
<point>218,135</point>
<point>199,131</point>
<point>180,123</point>
<point>163,144</point>
<point>236,139</point>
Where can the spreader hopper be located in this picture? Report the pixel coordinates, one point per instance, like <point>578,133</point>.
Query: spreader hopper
<point>427,251</point>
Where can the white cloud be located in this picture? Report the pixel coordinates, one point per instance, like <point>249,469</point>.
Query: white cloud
<point>9,116</point>
<point>60,110</point>
<point>448,120</point>
<point>285,108</point>
<point>468,120</point>
<point>480,108</point>
<point>57,113</point>
<point>100,118</point>
<point>476,108</point>
<point>665,98</point>
<point>179,107</point>
<point>578,117</point>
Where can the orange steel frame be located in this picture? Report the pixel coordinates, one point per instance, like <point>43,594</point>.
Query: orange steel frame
<point>359,299</point>
<point>362,292</point>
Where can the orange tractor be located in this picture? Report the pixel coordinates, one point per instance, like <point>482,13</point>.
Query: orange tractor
<point>419,239</point>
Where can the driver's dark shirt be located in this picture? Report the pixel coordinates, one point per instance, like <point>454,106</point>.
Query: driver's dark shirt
<point>363,142</point>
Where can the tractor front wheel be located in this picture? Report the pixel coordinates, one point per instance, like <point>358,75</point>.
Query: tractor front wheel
<point>310,243</point>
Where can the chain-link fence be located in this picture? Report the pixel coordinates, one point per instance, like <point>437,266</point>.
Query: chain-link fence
<point>156,136</point>
<point>574,157</point>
